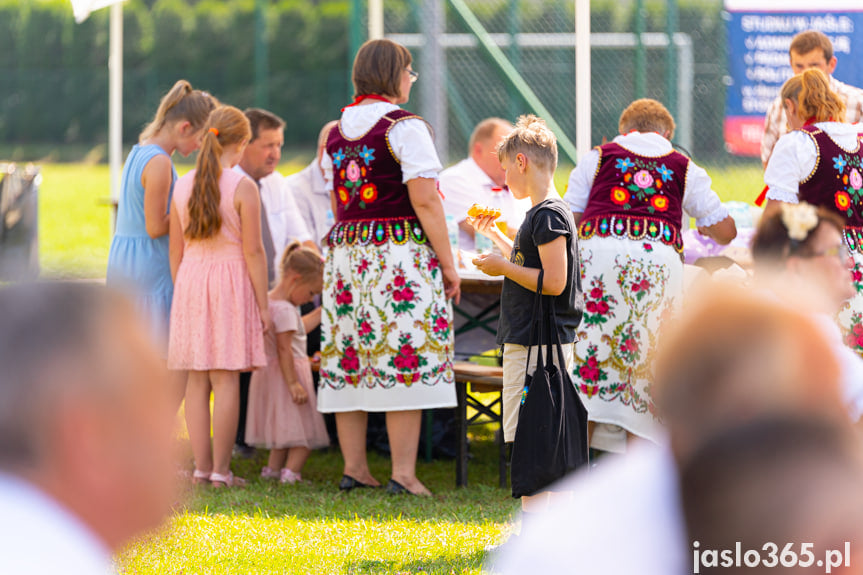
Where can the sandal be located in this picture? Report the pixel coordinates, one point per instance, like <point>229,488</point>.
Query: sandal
<point>290,477</point>
<point>269,473</point>
<point>200,477</point>
<point>219,481</point>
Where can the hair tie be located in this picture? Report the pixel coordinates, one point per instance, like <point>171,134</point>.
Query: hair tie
<point>215,131</point>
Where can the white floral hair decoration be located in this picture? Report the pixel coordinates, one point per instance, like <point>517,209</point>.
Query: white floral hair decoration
<point>799,219</point>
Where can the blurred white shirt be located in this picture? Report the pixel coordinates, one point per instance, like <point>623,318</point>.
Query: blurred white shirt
<point>309,191</point>
<point>40,537</point>
<point>625,517</point>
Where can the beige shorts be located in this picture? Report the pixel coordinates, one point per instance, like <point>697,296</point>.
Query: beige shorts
<point>514,370</point>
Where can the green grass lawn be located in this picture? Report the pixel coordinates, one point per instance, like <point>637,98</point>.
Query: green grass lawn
<point>267,527</point>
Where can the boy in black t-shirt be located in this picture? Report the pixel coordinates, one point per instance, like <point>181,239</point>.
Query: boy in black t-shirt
<point>545,241</point>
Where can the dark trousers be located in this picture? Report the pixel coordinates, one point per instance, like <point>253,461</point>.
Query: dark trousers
<point>245,379</point>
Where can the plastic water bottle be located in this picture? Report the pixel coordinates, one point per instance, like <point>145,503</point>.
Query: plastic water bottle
<point>452,231</point>
<point>482,243</point>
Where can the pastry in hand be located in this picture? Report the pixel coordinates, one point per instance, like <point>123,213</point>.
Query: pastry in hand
<point>477,211</point>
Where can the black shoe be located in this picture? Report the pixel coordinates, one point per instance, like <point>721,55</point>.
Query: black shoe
<point>347,483</point>
<point>396,488</point>
<point>244,451</point>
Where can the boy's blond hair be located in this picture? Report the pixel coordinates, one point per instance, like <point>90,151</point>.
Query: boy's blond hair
<point>532,138</point>
<point>647,115</point>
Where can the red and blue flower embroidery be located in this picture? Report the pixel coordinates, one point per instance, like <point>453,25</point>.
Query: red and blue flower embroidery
<point>352,179</point>
<point>641,181</point>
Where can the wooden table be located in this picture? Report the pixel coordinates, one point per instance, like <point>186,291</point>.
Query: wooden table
<point>482,379</point>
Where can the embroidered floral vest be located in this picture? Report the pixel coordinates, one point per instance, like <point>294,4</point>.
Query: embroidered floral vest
<point>372,203</point>
<point>638,197</point>
<point>836,182</point>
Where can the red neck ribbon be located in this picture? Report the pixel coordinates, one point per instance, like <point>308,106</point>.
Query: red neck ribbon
<point>362,97</point>
<point>812,121</point>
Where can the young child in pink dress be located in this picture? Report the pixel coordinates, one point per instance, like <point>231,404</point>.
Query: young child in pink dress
<point>219,312</point>
<point>281,416</point>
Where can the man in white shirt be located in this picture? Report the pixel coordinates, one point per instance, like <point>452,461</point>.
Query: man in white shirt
<point>809,49</point>
<point>260,160</point>
<point>480,179</point>
<point>309,190</point>
<point>86,429</point>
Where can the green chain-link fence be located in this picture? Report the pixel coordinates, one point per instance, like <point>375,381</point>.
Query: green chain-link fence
<point>675,54</point>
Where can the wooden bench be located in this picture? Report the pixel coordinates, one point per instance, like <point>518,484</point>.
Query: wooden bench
<point>482,379</point>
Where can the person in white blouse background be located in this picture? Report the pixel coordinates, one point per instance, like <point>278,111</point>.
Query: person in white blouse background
<point>389,262</point>
<point>310,193</point>
<point>810,49</point>
<point>86,429</point>
<point>629,197</point>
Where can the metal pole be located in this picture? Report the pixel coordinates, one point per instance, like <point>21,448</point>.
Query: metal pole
<point>355,40</point>
<point>640,53</point>
<point>685,85</point>
<point>582,77</point>
<point>514,55</point>
<point>376,19</point>
<point>671,57</point>
<point>433,87</point>
<point>115,101</point>
<point>262,90</point>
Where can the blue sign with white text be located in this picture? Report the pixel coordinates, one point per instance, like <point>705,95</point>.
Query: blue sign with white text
<point>758,64</point>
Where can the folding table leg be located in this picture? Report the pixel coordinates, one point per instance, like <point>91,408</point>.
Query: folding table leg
<point>461,425</point>
<point>502,459</point>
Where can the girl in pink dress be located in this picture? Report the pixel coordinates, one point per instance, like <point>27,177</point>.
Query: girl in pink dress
<point>219,312</point>
<point>281,416</point>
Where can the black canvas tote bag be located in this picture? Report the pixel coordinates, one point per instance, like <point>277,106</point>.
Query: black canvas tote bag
<point>551,435</point>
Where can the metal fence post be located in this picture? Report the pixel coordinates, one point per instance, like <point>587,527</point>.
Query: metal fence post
<point>671,56</point>
<point>261,55</point>
<point>433,81</point>
<point>355,40</point>
<point>640,54</point>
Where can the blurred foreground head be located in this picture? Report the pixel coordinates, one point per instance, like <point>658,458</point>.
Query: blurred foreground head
<point>736,355</point>
<point>775,482</point>
<point>84,414</point>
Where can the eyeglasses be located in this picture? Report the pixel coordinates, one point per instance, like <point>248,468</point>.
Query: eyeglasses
<point>837,251</point>
<point>413,74</point>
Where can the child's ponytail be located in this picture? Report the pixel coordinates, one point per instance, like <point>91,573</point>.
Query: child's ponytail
<point>303,261</point>
<point>227,126</point>
<point>816,102</point>
<point>181,103</point>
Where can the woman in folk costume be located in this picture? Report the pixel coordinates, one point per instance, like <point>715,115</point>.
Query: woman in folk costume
<point>387,339</point>
<point>821,162</point>
<point>629,197</point>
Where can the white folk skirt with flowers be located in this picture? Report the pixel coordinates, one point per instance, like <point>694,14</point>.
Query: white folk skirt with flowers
<point>631,288</point>
<point>386,333</point>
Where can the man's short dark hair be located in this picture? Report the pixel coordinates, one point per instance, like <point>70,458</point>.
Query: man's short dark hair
<point>805,42</point>
<point>262,120</point>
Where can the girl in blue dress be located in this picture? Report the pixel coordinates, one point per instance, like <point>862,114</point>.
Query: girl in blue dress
<point>138,262</point>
